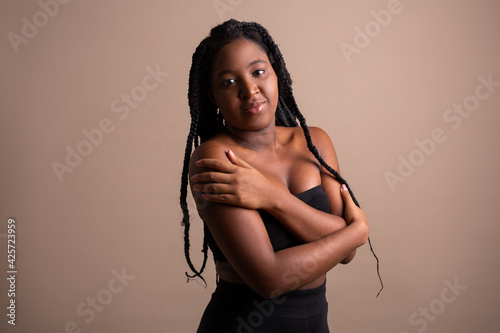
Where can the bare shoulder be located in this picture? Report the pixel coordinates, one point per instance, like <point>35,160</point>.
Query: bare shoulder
<point>210,149</point>
<point>321,140</point>
<point>318,135</point>
<point>325,147</point>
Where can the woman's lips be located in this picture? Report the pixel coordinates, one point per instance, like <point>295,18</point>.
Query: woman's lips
<point>253,108</point>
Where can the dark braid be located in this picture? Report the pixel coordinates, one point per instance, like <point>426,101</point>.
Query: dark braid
<point>290,101</point>
<point>205,121</point>
<point>184,206</point>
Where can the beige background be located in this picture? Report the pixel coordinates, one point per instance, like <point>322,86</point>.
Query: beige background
<point>118,209</point>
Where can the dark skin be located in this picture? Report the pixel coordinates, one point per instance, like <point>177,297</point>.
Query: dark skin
<point>254,164</point>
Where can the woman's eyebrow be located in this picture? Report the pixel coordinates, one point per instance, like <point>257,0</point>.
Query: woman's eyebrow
<point>258,61</point>
<point>225,71</point>
<point>229,71</point>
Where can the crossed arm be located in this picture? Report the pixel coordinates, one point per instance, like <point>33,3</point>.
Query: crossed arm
<point>238,229</point>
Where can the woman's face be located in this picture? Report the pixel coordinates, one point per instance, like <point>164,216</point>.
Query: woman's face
<point>244,86</point>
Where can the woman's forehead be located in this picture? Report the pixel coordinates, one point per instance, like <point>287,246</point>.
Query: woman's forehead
<point>239,53</point>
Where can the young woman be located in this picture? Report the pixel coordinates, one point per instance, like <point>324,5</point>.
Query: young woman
<point>277,214</point>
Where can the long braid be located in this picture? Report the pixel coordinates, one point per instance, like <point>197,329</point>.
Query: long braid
<point>341,180</point>
<point>193,138</point>
<point>183,199</point>
<point>289,104</point>
<point>205,122</point>
<point>291,120</point>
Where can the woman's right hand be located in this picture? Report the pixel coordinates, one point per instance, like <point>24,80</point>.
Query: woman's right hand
<point>235,182</point>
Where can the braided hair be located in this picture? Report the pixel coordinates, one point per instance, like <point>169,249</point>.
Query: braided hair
<point>205,121</point>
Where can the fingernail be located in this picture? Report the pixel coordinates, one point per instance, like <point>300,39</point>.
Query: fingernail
<point>344,188</point>
<point>196,187</point>
<point>197,162</point>
<point>229,151</point>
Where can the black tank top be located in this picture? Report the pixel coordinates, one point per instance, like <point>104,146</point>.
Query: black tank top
<point>280,237</point>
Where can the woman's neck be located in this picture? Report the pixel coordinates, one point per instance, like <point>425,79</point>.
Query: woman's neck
<point>265,139</point>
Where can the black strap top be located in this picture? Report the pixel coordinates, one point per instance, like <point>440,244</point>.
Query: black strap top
<point>280,237</point>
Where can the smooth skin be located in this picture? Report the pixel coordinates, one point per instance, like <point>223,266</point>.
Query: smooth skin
<point>254,164</point>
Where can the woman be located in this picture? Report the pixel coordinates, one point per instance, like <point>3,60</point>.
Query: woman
<point>277,215</point>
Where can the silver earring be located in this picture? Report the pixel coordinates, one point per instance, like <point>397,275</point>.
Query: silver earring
<point>220,118</point>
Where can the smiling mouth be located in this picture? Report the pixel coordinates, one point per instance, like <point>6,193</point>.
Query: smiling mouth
<point>253,108</point>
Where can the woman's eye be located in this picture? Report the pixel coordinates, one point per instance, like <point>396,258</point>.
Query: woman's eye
<point>259,72</point>
<point>227,83</point>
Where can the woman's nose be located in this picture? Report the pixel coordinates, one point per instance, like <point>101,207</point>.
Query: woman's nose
<point>248,89</point>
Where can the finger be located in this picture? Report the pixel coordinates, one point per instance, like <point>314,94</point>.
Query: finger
<point>216,164</point>
<point>213,188</point>
<point>211,177</point>
<point>236,160</point>
<point>346,196</point>
<point>220,198</point>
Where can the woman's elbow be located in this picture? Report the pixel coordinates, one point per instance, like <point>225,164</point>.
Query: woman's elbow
<point>268,288</point>
<point>349,258</point>
<point>270,283</point>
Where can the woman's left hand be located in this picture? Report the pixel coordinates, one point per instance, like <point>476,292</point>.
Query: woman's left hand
<point>235,183</point>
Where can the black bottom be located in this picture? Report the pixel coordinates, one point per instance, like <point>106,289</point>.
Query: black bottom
<point>237,308</point>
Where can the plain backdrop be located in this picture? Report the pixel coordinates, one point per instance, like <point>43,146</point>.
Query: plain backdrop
<point>92,146</point>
